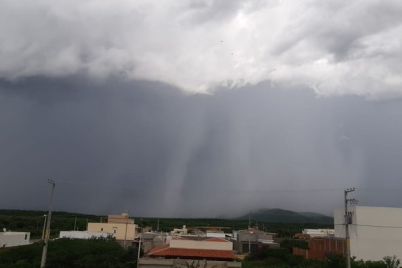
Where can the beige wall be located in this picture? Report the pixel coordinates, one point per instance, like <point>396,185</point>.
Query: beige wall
<point>195,244</point>
<point>119,219</point>
<point>375,232</point>
<point>120,231</point>
<point>12,239</point>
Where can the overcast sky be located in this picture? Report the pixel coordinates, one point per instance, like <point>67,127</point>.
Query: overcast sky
<point>200,108</point>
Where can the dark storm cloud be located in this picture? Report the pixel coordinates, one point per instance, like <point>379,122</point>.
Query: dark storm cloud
<point>334,47</point>
<point>148,148</point>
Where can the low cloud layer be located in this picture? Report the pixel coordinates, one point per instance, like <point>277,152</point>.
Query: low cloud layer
<point>150,149</point>
<point>335,48</point>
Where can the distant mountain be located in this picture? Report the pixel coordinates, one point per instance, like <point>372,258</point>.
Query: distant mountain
<point>286,216</point>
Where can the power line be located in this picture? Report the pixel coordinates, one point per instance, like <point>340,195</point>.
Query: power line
<point>363,189</point>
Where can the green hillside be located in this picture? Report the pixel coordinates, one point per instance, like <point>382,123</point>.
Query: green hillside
<point>286,225</point>
<point>287,216</point>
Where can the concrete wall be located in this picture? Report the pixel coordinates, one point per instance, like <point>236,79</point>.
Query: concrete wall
<point>253,235</point>
<point>12,239</point>
<point>120,231</point>
<point>151,240</point>
<point>82,235</point>
<point>375,232</point>
<point>319,232</point>
<point>200,244</point>
<point>216,234</point>
<point>183,263</point>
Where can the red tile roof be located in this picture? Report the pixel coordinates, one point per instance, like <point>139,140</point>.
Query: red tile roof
<point>210,254</point>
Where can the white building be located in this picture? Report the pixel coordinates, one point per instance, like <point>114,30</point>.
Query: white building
<point>319,232</point>
<point>13,239</point>
<point>216,234</point>
<point>82,235</point>
<point>179,231</point>
<point>375,232</point>
<point>211,243</point>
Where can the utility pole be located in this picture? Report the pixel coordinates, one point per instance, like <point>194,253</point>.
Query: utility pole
<point>249,234</point>
<point>139,251</point>
<point>125,235</point>
<point>157,226</point>
<point>75,222</point>
<point>47,232</point>
<point>44,227</point>
<point>348,220</point>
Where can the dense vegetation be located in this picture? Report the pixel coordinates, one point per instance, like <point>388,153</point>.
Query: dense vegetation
<point>32,221</point>
<point>70,253</point>
<point>287,216</point>
<point>283,229</point>
<point>283,258</point>
<point>107,253</point>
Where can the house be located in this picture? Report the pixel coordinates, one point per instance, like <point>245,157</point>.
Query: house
<point>192,252</point>
<point>121,227</point>
<point>251,240</point>
<point>13,239</point>
<point>375,232</point>
<point>319,244</point>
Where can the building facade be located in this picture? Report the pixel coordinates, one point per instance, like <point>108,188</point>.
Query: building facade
<point>375,232</point>
<point>320,248</point>
<point>121,227</point>
<point>13,239</point>
<point>252,240</point>
<point>82,235</point>
<point>216,234</point>
<point>201,243</point>
<point>150,240</point>
<point>195,248</point>
<point>319,232</point>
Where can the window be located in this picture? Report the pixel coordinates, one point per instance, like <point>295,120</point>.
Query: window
<point>26,236</point>
<point>114,231</point>
<point>101,229</point>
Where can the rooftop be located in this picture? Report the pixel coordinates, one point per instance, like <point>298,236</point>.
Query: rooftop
<point>200,238</point>
<point>209,254</point>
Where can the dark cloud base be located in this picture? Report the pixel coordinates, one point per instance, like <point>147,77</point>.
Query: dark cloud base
<point>148,148</point>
